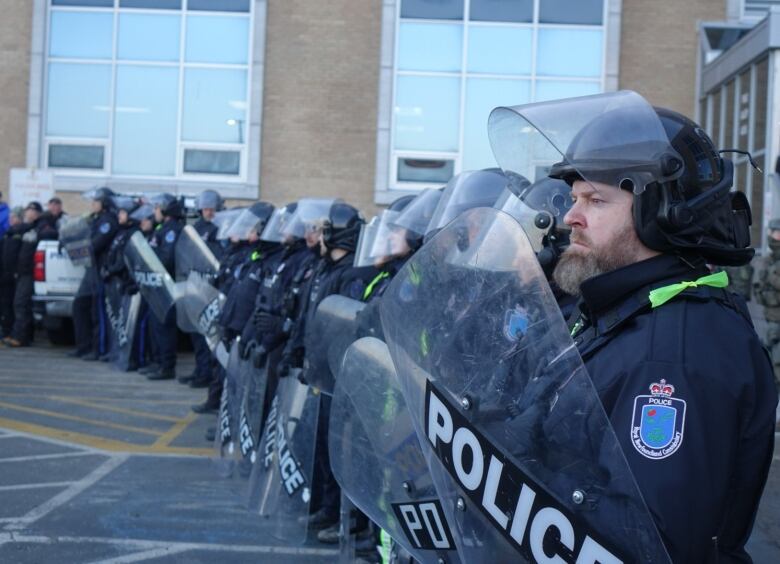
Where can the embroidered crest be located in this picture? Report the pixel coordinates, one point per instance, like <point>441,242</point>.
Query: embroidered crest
<point>105,228</point>
<point>658,422</point>
<point>170,237</point>
<point>515,323</point>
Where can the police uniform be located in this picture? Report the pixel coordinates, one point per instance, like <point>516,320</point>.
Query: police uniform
<point>696,357</point>
<point>89,320</point>
<point>164,333</point>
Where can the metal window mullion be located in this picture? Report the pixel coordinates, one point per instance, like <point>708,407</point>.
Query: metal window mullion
<point>534,49</point>
<point>393,172</point>
<point>108,165</point>
<point>179,167</point>
<point>243,161</point>
<point>604,30</point>
<point>463,78</point>
<point>43,152</point>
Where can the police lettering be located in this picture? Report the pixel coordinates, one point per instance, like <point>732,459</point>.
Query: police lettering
<point>208,316</point>
<point>513,503</point>
<point>148,279</point>
<point>270,434</point>
<point>424,524</point>
<point>224,418</point>
<point>245,435</point>
<point>288,466</point>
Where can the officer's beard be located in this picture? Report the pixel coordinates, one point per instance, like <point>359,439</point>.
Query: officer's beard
<point>576,266</point>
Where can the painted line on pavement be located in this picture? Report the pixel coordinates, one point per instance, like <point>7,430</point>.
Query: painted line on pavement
<point>34,457</point>
<point>77,419</point>
<point>141,556</point>
<point>35,486</point>
<point>169,436</point>
<point>151,545</point>
<point>65,496</point>
<point>122,410</point>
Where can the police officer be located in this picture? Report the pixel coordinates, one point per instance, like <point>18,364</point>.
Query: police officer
<point>651,210</point>
<point>145,349</point>
<point>34,229</point>
<point>169,213</point>
<point>209,203</point>
<point>9,255</point>
<point>89,320</point>
<point>767,293</point>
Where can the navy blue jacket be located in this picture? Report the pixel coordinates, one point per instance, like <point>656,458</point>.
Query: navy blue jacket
<point>164,243</point>
<point>103,227</point>
<point>703,471</point>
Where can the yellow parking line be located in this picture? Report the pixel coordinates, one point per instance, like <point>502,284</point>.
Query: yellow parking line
<point>66,417</point>
<point>100,443</point>
<point>98,398</point>
<point>125,411</point>
<point>170,435</point>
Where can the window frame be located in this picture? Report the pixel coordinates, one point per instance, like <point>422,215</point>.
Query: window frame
<point>40,140</point>
<point>387,185</point>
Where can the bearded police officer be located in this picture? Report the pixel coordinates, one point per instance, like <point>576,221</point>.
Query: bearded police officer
<point>678,367</point>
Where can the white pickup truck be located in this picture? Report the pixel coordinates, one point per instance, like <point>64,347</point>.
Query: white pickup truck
<point>57,280</point>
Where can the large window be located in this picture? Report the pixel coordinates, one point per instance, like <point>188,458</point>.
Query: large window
<point>456,60</point>
<point>148,88</point>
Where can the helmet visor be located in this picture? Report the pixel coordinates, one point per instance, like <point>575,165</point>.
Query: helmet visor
<point>274,229</point>
<point>615,139</point>
<point>224,220</point>
<point>416,217</point>
<point>309,217</point>
<point>381,240</point>
<point>146,211</point>
<point>467,190</point>
<point>244,224</point>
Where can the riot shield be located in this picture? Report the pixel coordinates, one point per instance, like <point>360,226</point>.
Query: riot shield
<point>122,313</point>
<point>377,459</point>
<point>523,456</point>
<point>192,253</point>
<point>198,306</point>
<point>250,421</point>
<point>75,237</point>
<point>280,488</point>
<point>327,337</point>
<point>226,440</point>
<point>153,281</point>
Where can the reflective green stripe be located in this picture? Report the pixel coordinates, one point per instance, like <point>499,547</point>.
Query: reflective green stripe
<point>424,347</point>
<point>385,546</point>
<point>660,296</point>
<point>377,279</point>
<point>255,255</point>
<point>577,327</point>
<point>414,276</point>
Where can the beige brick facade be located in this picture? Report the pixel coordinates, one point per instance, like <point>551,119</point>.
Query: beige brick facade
<point>15,29</point>
<point>658,41</point>
<point>320,100</point>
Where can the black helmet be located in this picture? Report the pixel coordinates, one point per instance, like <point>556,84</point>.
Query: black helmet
<point>400,203</point>
<point>342,228</point>
<point>209,199</point>
<point>126,203</point>
<point>104,195</point>
<point>170,205</point>
<point>262,211</point>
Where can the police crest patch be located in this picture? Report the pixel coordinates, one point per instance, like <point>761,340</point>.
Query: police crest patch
<point>105,228</point>
<point>658,422</point>
<point>515,323</point>
<point>170,237</point>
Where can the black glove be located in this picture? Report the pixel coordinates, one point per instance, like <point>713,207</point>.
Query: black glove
<point>259,356</point>
<point>104,273</point>
<point>285,365</point>
<point>302,377</point>
<point>245,348</point>
<point>267,323</point>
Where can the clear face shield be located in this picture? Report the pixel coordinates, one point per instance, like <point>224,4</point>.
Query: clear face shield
<point>416,217</point>
<point>614,139</point>
<point>243,226</point>
<point>146,211</point>
<point>381,240</point>
<point>467,190</point>
<point>224,221</point>
<point>274,229</point>
<point>308,218</point>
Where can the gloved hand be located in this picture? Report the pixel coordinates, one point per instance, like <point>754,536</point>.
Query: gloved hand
<point>259,356</point>
<point>130,288</point>
<point>267,323</point>
<point>245,348</point>
<point>302,377</point>
<point>104,273</point>
<point>285,365</point>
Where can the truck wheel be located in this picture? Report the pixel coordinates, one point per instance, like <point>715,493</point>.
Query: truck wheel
<point>62,335</point>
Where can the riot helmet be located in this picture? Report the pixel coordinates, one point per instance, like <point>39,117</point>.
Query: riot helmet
<point>342,227</point>
<point>382,239</point>
<point>275,229</point>
<point>224,221</point>
<point>308,218</point>
<point>168,204</point>
<point>209,199</point>
<point>102,194</point>
<point>467,190</point>
<point>144,211</point>
<point>679,182</point>
<point>416,216</point>
<point>252,220</point>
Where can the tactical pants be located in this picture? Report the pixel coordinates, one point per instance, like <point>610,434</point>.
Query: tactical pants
<point>164,335</point>
<point>23,315</point>
<point>146,351</point>
<point>327,493</point>
<point>204,369</point>
<point>7,291</point>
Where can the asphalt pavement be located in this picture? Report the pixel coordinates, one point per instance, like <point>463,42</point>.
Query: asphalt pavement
<point>102,466</point>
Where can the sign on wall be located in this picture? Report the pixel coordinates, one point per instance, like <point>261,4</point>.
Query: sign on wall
<point>28,184</point>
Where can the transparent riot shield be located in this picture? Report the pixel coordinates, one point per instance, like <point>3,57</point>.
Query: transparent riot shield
<point>153,281</point>
<point>226,440</point>
<point>192,254</point>
<point>327,337</point>
<point>376,456</point>
<point>250,421</point>
<point>523,456</point>
<point>280,488</point>
<point>75,237</point>
<point>122,313</point>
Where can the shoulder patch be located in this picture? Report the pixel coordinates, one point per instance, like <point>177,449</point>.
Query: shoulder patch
<point>170,237</point>
<point>658,422</point>
<point>105,227</point>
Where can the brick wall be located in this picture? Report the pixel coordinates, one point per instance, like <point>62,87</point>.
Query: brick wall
<point>15,29</point>
<point>658,46</point>
<point>320,100</point>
